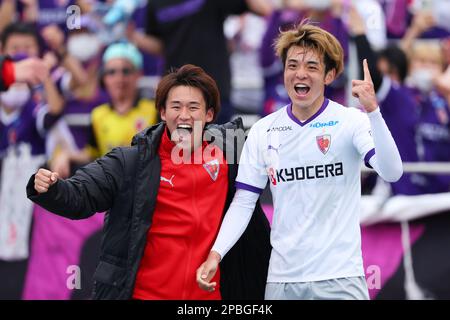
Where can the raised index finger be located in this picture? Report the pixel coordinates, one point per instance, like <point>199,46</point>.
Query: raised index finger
<point>367,76</point>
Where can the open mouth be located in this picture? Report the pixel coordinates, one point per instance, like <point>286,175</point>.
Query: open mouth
<point>184,128</point>
<point>302,89</point>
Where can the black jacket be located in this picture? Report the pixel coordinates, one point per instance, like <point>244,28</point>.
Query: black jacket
<point>125,183</point>
<point>3,87</point>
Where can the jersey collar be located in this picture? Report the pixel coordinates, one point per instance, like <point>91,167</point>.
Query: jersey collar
<point>293,118</point>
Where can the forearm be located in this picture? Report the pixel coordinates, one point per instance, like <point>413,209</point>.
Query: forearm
<point>78,75</point>
<point>81,157</point>
<point>60,199</point>
<point>235,221</point>
<point>147,43</point>
<point>386,161</point>
<point>407,41</point>
<point>91,189</point>
<point>54,99</point>
<point>7,11</point>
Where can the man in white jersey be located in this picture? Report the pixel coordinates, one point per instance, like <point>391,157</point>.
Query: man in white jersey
<point>310,152</point>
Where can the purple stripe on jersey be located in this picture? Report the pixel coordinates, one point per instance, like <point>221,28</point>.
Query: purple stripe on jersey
<point>244,186</point>
<point>178,11</point>
<point>368,156</point>
<point>322,108</point>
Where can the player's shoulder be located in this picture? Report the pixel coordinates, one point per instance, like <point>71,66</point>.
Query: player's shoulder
<point>346,112</point>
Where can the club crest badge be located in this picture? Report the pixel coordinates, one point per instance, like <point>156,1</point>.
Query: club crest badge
<point>212,167</point>
<point>324,142</point>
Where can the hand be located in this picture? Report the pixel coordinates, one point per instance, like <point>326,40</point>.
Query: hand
<point>422,21</point>
<point>44,179</point>
<point>32,70</point>
<point>364,90</point>
<point>131,33</point>
<point>207,271</point>
<point>50,59</point>
<point>356,24</point>
<point>293,5</point>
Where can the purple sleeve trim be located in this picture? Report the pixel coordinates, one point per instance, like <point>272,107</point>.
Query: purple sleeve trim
<point>368,156</point>
<point>243,186</point>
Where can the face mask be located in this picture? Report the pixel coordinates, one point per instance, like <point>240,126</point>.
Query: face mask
<point>15,97</point>
<point>421,79</point>
<point>83,47</point>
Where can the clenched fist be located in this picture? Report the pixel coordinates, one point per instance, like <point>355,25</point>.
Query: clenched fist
<point>44,179</point>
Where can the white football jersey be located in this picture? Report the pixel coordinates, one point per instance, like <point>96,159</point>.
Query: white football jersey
<point>314,173</point>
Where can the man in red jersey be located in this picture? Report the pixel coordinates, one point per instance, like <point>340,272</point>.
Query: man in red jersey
<point>165,197</point>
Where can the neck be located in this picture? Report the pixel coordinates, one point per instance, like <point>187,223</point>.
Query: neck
<point>304,113</point>
<point>123,105</point>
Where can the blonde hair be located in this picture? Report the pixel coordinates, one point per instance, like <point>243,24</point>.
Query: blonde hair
<point>429,50</point>
<point>312,37</point>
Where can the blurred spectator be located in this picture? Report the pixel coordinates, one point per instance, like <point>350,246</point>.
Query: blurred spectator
<point>81,59</point>
<point>191,31</point>
<point>427,66</point>
<point>400,14</point>
<point>19,41</point>
<point>397,105</point>
<point>244,34</point>
<point>67,243</point>
<point>443,82</point>
<point>26,113</point>
<point>115,123</point>
<point>332,16</point>
<point>153,64</point>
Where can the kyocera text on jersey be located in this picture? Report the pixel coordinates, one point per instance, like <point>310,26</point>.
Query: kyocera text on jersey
<point>310,172</point>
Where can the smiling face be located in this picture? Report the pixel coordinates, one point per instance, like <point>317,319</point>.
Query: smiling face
<point>305,79</point>
<point>186,114</point>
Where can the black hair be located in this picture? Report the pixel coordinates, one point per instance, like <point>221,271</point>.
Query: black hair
<point>397,60</point>
<point>20,28</point>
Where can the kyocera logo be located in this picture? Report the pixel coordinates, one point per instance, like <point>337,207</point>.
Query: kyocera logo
<point>323,124</point>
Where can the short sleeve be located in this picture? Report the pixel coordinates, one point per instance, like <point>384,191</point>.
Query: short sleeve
<point>252,174</point>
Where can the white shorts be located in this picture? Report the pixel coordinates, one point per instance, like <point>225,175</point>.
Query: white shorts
<point>353,288</point>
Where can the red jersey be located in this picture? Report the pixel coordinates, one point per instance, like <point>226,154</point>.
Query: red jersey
<point>189,208</point>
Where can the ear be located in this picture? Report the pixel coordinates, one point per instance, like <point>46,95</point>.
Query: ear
<point>209,115</point>
<point>330,76</point>
<point>163,114</point>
